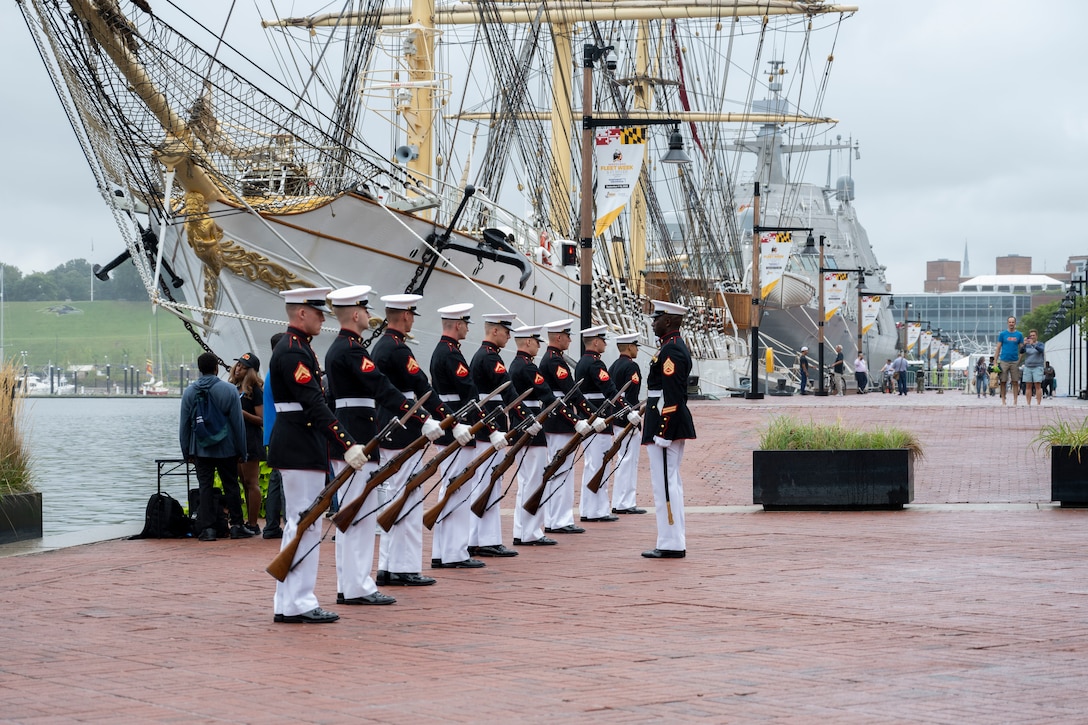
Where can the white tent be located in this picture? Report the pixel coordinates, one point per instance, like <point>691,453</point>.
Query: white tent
<point>1061,354</point>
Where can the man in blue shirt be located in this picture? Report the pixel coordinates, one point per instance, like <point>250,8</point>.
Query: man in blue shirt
<point>1008,358</point>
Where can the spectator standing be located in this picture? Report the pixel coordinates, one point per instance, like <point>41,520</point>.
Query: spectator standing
<point>1008,358</point>
<point>982,376</point>
<point>246,378</point>
<point>861,373</point>
<point>887,376</point>
<point>273,500</point>
<point>802,365</point>
<point>838,369</point>
<point>222,456</point>
<point>899,368</point>
<point>1034,357</point>
<point>1049,377</point>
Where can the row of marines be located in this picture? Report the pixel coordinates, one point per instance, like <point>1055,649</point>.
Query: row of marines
<point>316,430</point>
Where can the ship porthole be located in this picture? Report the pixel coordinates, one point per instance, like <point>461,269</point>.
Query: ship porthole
<point>501,278</point>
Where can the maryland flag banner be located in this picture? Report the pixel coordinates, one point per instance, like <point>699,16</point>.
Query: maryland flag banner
<point>835,284</point>
<point>619,153</point>
<point>774,255</point>
<point>870,308</point>
<point>942,352</point>
<point>923,346</point>
<point>914,330</point>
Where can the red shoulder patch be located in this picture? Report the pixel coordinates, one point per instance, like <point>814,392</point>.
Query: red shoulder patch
<point>367,366</point>
<point>634,378</point>
<point>562,373</point>
<point>413,366</point>
<point>602,375</point>
<point>462,371</point>
<point>500,368</point>
<point>303,374</point>
<point>669,368</point>
<point>538,380</point>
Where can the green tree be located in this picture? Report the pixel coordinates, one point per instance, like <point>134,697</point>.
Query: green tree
<point>35,287</point>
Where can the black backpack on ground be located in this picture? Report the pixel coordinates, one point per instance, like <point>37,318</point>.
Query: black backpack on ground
<point>164,519</point>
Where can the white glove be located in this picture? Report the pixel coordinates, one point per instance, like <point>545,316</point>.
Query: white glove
<point>462,433</point>
<point>432,429</point>
<point>599,424</point>
<point>534,428</point>
<point>355,457</point>
<point>634,418</point>
<point>498,440</point>
<point>658,440</point>
<point>581,427</point>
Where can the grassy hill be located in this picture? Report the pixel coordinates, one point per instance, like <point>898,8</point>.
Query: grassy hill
<point>96,333</point>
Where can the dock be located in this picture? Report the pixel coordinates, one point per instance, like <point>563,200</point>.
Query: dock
<point>970,605</point>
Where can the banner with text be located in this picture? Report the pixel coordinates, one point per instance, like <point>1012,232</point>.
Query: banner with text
<point>926,340</point>
<point>914,330</point>
<point>870,308</point>
<point>619,153</point>
<point>835,286</point>
<point>774,255</point>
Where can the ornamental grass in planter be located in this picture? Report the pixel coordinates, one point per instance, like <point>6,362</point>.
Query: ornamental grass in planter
<point>20,504</point>
<point>827,466</point>
<point>1062,441</point>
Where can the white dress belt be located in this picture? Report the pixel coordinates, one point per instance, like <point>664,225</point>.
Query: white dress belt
<point>355,402</point>
<point>593,396</point>
<point>449,397</point>
<point>532,403</point>
<point>409,394</point>
<point>288,407</point>
<point>653,393</point>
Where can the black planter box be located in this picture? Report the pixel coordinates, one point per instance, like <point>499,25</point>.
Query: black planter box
<point>1069,476</point>
<point>20,517</point>
<point>854,479</point>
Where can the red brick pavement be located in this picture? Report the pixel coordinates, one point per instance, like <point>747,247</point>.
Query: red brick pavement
<point>937,614</point>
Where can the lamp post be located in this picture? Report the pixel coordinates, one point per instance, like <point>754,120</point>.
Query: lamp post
<point>810,249</point>
<point>591,53</point>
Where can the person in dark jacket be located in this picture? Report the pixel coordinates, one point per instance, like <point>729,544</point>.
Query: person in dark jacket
<point>222,456</point>
<point>625,482</point>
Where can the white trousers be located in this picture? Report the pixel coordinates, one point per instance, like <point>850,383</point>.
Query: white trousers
<point>669,536</point>
<point>487,531</point>
<point>625,482</point>
<point>295,594</point>
<point>559,494</point>
<point>355,547</point>
<point>401,550</point>
<point>529,527</point>
<point>451,530</point>
<point>595,505</point>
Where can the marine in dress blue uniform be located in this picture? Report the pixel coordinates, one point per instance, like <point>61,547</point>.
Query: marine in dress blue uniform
<point>357,386</point>
<point>668,424</point>
<point>400,553</point>
<point>304,430</point>
<point>625,483</point>
<point>558,500</point>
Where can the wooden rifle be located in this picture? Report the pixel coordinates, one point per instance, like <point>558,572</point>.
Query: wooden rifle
<point>532,504</point>
<point>283,563</point>
<point>594,484</point>
<point>480,505</point>
<point>392,512</point>
<point>455,483</point>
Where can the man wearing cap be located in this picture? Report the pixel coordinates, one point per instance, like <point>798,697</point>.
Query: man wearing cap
<point>559,496</point>
<point>599,390</point>
<point>488,373</point>
<point>357,387</point>
<point>304,430</point>
<point>802,365</point>
<point>668,425</point>
<point>452,381</point>
<point>529,528</point>
<point>625,369</point>
<point>400,554</point>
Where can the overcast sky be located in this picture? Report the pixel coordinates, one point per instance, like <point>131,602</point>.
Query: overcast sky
<point>972,119</point>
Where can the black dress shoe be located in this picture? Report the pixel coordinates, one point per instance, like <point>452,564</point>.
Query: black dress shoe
<point>272,532</point>
<point>664,554</point>
<point>597,519</point>
<point>495,550</point>
<point>542,541</point>
<point>207,534</point>
<point>394,579</point>
<point>240,532</point>
<point>317,615</point>
<point>375,598</point>
<point>568,529</point>
<point>463,564</point>
<point>632,510</point>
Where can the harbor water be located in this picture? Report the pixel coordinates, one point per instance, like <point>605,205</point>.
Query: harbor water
<point>93,459</point>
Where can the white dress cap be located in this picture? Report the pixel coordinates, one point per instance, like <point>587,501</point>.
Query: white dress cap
<point>804,348</point>
<point>402,302</point>
<point>506,319</point>
<point>627,339</point>
<point>595,331</point>
<point>312,296</point>
<point>354,296</point>
<point>558,326</point>
<point>661,307</point>
<point>456,312</point>
<point>524,331</point>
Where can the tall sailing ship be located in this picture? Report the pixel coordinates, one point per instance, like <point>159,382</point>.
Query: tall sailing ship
<point>437,149</point>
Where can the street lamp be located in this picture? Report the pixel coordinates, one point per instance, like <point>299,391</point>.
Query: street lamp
<point>591,53</point>
<point>810,245</point>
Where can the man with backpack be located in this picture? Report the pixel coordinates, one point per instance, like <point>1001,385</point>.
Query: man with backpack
<point>213,436</point>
